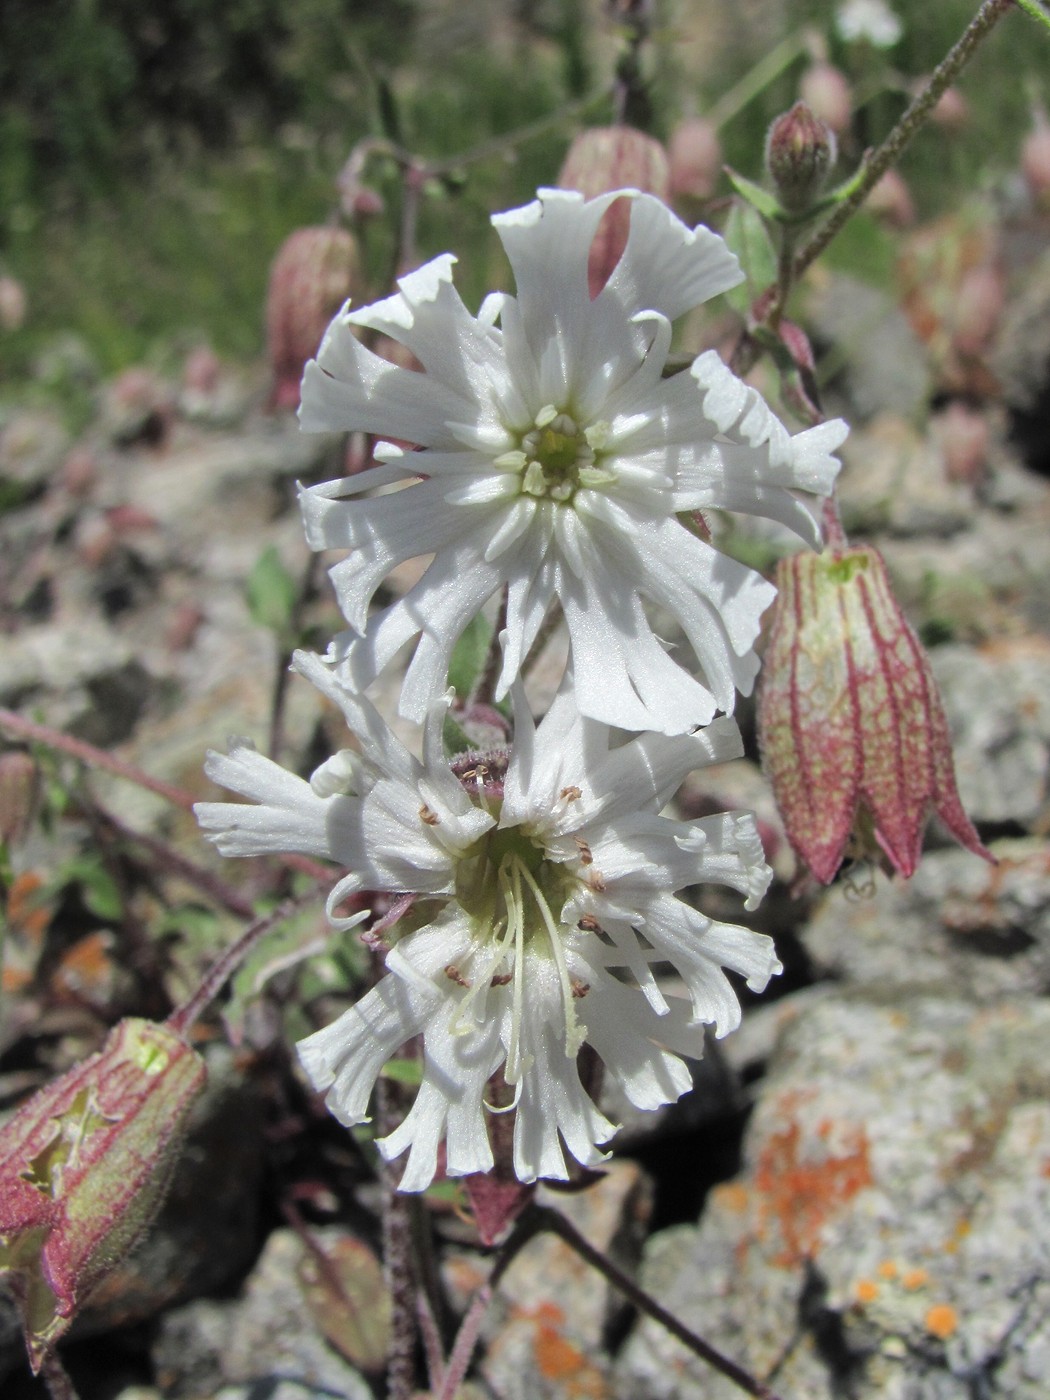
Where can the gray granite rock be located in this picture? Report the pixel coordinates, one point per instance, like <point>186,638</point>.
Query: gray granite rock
<point>958,926</point>
<point>893,480</point>
<point>263,1344</point>
<point>888,1236</point>
<point>997,699</point>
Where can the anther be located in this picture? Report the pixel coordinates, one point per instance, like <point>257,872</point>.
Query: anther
<point>586,858</point>
<point>580,989</point>
<point>589,924</point>
<point>571,794</point>
<point>431,818</point>
<point>596,880</point>
<point>502,979</point>
<point>453,974</point>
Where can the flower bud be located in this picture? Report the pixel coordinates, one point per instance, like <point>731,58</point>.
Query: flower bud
<point>1035,159</point>
<point>84,1165</point>
<point>602,159</point>
<point>826,93</point>
<point>854,738</point>
<point>800,152</point>
<point>890,200</point>
<point>13,304</point>
<point>314,272</point>
<point>695,158</point>
<point>19,781</point>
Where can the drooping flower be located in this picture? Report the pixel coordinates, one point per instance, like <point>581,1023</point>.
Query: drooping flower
<point>854,738</point>
<point>545,884</point>
<point>556,460</point>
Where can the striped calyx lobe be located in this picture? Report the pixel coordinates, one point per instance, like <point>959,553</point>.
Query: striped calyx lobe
<point>854,737</point>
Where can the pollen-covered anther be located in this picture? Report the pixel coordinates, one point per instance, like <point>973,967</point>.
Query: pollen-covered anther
<point>453,974</point>
<point>570,794</point>
<point>428,816</point>
<point>501,979</point>
<point>589,924</point>
<point>586,858</point>
<point>580,989</point>
<point>596,880</point>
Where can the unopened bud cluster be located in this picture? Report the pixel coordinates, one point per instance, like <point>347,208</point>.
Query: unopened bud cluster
<point>800,155</point>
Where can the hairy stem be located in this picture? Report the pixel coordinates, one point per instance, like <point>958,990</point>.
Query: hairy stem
<point>183,1017</point>
<point>530,1223</point>
<point>485,690</point>
<point>559,1225</point>
<point>57,1378</point>
<point>876,165</point>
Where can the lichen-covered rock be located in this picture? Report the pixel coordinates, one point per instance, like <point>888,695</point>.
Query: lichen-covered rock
<point>958,927</point>
<point>889,1235</point>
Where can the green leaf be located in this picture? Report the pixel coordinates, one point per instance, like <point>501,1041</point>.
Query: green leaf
<point>469,656</point>
<point>98,889</point>
<point>747,237</point>
<point>271,592</point>
<point>455,737</point>
<point>1038,12</point>
<point>766,203</point>
<point>402,1071</point>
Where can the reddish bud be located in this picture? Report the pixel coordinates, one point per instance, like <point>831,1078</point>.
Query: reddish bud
<point>84,1165</point>
<point>314,272</point>
<point>1035,159</point>
<point>800,152</point>
<point>951,111</point>
<point>19,781</point>
<point>13,304</point>
<point>853,733</point>
<point>890,200</point>
<point>608,158</point>
<point>964,439</point>
<point>826,93</point>
<point>695,157</point>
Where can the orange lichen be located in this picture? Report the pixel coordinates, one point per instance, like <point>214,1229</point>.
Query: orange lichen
<point>802,1194</point>
<point>941,1320</point>
<point>866,1291</point>
<point>887,1269</point>
<point>915,1279</point>
<point>558,1359</point>
<point>732,1195</point>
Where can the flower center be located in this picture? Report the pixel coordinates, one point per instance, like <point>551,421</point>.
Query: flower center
<point>556,457</point>
<point>514,895</point>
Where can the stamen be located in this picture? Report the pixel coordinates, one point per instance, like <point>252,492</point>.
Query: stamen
<point>547,414</point>
<point>571,794</point>
<point>534,482</point>
<point>510,461</point>
<point>586,858</point>
<point>516,1064</point>
<point>575,1034</point>
<point>430,817</point>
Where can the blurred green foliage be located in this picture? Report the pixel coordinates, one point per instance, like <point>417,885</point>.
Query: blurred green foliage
<point>152,159</point>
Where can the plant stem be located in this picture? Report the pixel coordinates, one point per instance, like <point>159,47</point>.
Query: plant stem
<point>910,123</point>
<point>559,1225</point>
<point>183,1017</point>
<point>530,1223</point>
<point>876,165</point>
<point>56,1378</point>
<point>485,690</point>
<point>93,757</point>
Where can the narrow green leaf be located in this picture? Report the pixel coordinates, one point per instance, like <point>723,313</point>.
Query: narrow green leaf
<point>766,203</point>
<point>747,237</point>
<point>469,656</point>
<point>1038,11</point>
<point>402,1071</point>
<point>271,592</point>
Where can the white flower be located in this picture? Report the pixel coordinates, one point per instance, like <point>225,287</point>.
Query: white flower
<point>872,20</point>
<point>557,460</point>
<point>545,907</point>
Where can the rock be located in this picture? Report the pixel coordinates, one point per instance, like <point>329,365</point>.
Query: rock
<point>33,447</point>
<point>887,367</point>
<point>893,479</point>
<point>889,1235</point>
<point>266,1342</point>
<point>997,699</point>
<point>545,1328</point>
<point>959,926</point>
